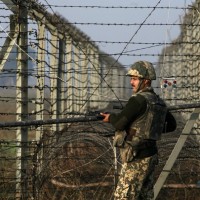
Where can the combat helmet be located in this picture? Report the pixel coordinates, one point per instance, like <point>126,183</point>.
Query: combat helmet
<point>142,69</point>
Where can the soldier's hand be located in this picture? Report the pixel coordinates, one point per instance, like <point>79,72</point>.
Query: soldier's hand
<point>106,117</point>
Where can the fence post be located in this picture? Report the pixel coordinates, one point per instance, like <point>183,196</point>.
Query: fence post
<point>40,93</point>
<point>61,81</point>
<point>69,75</point>
<point>54,77</point>
<point>22,105</point>
<point>84,77</point>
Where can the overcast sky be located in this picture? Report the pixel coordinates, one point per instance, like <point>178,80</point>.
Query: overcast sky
<point>115,25</point>
<point>129,19</point>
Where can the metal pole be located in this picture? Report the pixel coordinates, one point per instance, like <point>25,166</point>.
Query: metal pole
<point>48,121</point>
<point>54,78</point>
<point>176,151</point>
<point>22,104</point>
<point>170,108</point>
<point>86,118</point>
<point>40,93</point>
<point>61,83</point>
<point>184,106</point>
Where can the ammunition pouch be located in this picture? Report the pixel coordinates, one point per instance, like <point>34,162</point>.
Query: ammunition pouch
<point>119,138</point>
<point>131,134</point>
<point>143,150</point>
<point>127,153</point>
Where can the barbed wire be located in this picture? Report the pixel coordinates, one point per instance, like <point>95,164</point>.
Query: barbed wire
<point>56,145</point>
<point>118,7</point>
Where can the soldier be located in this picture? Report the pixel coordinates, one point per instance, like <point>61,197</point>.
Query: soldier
<point>138,126</point>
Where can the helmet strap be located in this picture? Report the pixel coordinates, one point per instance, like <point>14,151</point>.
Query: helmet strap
<point>139,85</point>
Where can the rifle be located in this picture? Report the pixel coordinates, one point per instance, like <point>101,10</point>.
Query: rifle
<point>90,116</point>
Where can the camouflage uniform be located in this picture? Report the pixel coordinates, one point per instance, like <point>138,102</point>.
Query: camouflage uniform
<point>136,180</point>
<point>137,142</point>
<point>138,150</point>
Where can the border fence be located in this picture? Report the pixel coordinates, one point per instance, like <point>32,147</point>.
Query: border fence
<point>50,70</point>
<point>53,79</point>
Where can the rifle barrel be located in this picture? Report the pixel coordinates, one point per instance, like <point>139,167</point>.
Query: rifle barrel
<point>80,119</point>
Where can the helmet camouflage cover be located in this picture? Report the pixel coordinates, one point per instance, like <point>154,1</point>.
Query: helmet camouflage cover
<point>142,69</point>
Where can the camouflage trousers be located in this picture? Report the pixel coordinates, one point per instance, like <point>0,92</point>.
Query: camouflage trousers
<point>136,180</point>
